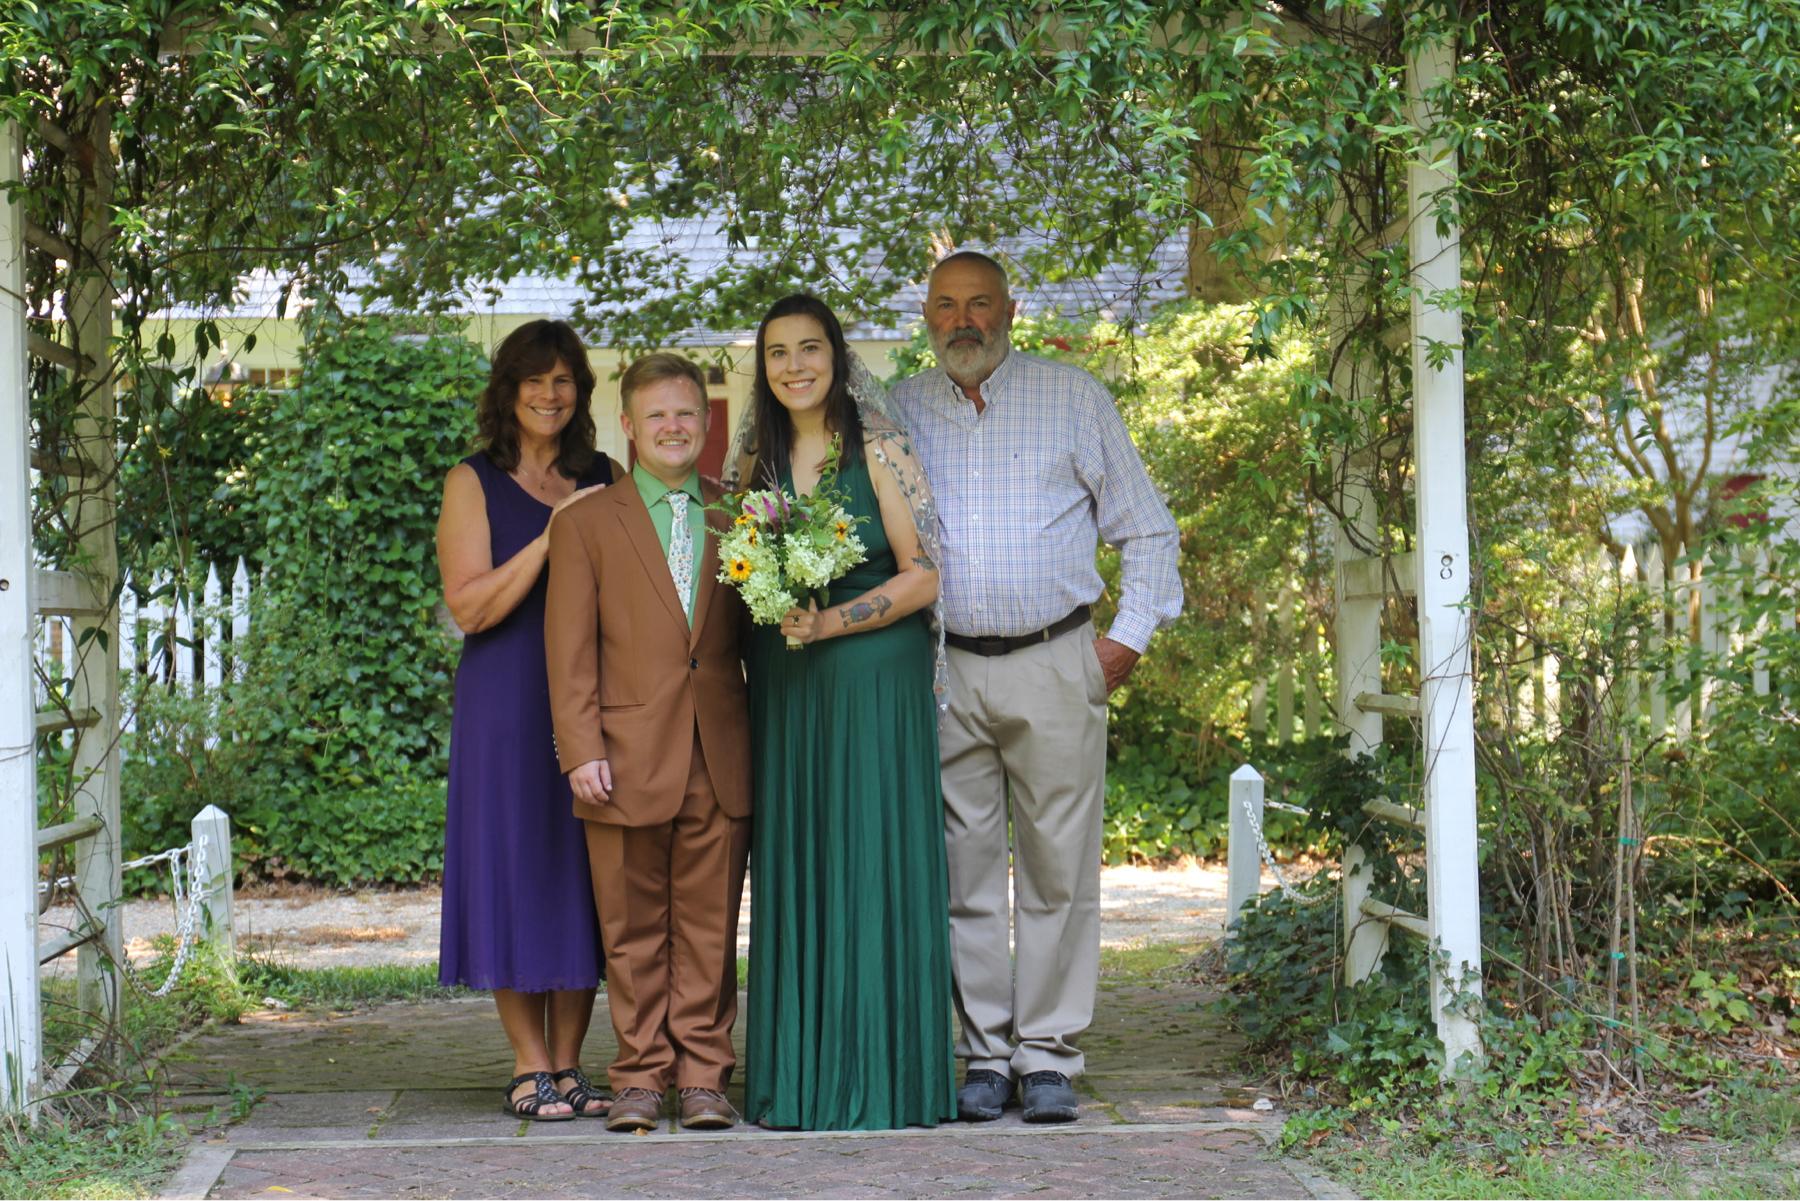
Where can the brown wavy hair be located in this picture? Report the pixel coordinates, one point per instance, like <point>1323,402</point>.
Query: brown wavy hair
<point>533,349</point>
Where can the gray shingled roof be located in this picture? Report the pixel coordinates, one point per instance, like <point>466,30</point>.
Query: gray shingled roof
<point>697,247</point>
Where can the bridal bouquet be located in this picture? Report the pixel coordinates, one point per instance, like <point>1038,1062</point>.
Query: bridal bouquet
<point>781,547</point>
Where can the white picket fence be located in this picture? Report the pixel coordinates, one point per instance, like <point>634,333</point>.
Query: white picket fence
<point>1677,604</point>
<point>1530,677</point>
<point>1297,668</point>
<point>179,640</point>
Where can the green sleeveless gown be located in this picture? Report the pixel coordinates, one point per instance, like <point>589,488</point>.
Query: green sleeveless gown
<point>849,1023</point>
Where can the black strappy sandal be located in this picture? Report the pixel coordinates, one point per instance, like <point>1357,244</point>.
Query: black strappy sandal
<point>531,1106</point>
<point>583,1094</point>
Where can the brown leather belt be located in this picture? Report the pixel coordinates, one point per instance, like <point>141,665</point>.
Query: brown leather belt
<point>1006,646</point>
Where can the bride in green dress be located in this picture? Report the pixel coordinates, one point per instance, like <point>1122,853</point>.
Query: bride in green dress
<point>849,999</point>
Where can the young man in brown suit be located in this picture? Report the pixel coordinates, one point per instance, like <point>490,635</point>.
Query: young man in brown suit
<point>647,692</point>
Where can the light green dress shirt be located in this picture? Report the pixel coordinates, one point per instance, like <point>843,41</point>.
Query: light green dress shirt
<point>655,494</point>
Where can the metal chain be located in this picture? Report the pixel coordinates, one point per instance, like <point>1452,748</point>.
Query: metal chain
<point>188,896</point>
<point>172,854</point>
<point>1262,846</point>
<point>186,917</point>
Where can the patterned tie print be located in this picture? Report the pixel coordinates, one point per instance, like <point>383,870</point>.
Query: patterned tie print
<point>681,550</point>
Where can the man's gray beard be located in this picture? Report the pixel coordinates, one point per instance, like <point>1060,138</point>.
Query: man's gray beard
<point>969,371</point>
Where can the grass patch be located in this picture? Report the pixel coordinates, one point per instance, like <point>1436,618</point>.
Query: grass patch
<point>1722,1170</point>
<point>207,991</point>
<point>85,1159</point>
<point>1740,1143</point>
<point>107,1135</point>
<point>1153,963</point>
<point>1381,1171</point>
<point>343,987</point>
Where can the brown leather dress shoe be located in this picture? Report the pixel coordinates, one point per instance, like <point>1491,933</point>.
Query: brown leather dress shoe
<point>704,1109</point>
<point>635,1109</point>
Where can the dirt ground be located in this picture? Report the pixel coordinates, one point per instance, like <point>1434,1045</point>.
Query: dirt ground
<point>313,927</point>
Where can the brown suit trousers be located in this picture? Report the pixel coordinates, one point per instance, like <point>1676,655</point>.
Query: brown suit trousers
<point>663,702</point>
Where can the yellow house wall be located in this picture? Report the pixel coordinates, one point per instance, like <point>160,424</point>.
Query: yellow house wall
<point>279,346</point>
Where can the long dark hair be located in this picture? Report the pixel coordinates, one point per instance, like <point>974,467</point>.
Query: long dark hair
<point>532,349</point>
<point>774,428</point>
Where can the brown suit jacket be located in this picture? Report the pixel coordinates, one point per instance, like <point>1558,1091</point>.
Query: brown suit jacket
<point>630,682</point>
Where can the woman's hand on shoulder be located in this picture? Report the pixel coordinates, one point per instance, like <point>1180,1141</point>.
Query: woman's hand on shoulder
<point>568,500</point>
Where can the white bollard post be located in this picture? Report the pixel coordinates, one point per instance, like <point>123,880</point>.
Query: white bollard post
<point>211,828</point>
<point>1243,859</point>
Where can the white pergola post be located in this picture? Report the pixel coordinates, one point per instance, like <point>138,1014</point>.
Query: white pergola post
<point>20,1022</point>
<point>1358,587</point>
<point>96,684</point>
<point>1357,631</point>
<point>1446,695</point>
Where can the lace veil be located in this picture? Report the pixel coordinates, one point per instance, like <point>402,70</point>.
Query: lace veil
<point>885,442</point>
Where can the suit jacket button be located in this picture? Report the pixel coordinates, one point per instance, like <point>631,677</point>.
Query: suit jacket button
<point>693,665</point>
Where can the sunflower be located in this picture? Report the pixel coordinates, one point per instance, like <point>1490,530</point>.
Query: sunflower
<point>744,519</point>
<point>843,530</point>
<point>739,568</point>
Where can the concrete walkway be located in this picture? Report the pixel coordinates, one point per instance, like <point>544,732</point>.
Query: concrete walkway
<point>403,1101</point>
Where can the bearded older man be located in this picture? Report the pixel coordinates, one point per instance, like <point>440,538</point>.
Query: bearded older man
<point>1031,466</point>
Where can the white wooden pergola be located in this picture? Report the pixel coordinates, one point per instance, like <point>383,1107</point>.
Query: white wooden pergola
<point>1437,572</point>
<point>89,598</point>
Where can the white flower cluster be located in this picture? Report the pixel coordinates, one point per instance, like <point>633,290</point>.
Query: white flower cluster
<point>816,558</point>
<point>780,549</point>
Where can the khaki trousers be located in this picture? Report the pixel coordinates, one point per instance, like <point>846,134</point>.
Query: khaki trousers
<point>1025,738</point>
<point>668,902</point>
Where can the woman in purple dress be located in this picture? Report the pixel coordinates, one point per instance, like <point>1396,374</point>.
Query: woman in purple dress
<point>517,917</point>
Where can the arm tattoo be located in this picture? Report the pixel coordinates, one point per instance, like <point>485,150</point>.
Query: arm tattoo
<point>867,610</point>
<point>924,560</point>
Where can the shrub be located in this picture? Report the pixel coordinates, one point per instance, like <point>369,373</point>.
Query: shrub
<point>329,749</point>
<point>307,801</point>
<point>1166,800</point>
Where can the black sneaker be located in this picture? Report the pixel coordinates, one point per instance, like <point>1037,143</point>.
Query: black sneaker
<point>1048,1098</point>
<point>983,1095</point>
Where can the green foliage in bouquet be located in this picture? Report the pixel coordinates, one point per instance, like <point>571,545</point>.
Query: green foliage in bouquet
<point>782,549</point>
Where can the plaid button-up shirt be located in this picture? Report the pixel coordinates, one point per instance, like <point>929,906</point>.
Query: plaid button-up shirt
<point>1025,490</point>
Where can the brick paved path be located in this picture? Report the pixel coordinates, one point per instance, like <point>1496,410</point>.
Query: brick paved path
<point>403,1101</point>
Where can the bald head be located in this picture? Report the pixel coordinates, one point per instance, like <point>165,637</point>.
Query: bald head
<point>967,260</point>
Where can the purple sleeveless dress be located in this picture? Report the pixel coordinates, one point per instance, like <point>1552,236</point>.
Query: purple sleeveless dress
<point>518,906</point>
